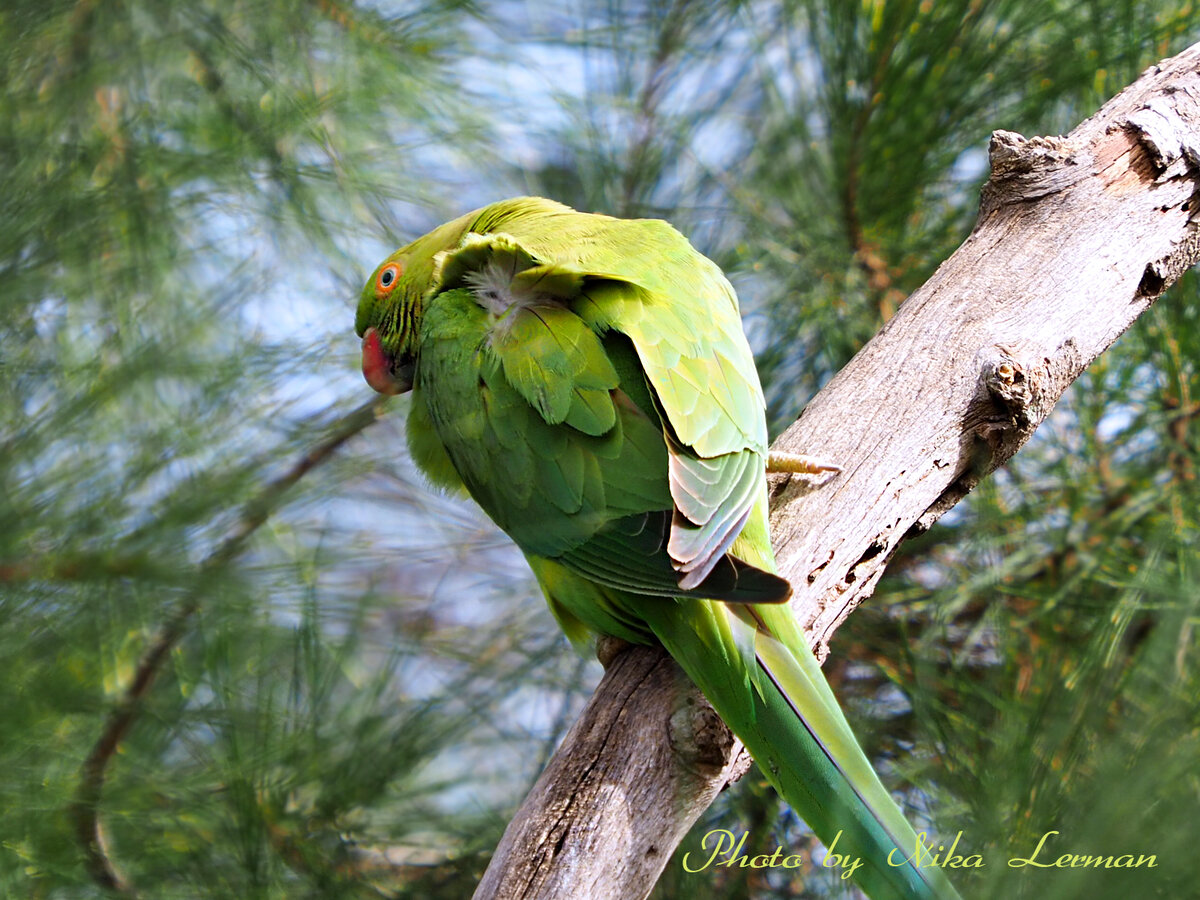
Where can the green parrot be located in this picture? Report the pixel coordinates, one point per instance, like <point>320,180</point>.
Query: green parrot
<point>586,379</point>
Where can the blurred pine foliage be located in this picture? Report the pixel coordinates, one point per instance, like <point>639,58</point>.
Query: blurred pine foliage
<point>364,682</point>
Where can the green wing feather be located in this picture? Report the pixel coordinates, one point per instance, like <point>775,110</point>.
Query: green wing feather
<point>588,380</point>
<point>641,279</point>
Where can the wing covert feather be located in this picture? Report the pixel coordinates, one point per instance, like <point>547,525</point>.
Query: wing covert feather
<point>553,418</point>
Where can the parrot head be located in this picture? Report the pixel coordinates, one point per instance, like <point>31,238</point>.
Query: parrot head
<point>389,309</point>
<point>388,360</point>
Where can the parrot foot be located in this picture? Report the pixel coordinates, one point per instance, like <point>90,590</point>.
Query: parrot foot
<point>811,468</point>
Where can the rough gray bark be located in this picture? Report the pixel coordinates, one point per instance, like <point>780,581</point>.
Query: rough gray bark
<point>1076,237</point>
<point>591,804</point>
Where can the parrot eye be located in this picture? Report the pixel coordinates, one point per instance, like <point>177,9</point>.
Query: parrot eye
<point>387,278</point>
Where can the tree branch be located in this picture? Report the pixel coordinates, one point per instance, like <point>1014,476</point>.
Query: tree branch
<point>84,809</point>
<point>1076,237</point>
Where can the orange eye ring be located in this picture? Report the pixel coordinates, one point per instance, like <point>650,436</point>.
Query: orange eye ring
<point>387,278</point>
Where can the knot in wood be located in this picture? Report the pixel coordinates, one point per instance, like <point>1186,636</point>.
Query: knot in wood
<point>1009,386</point>
<point>1026,169</point>
<point>699,738</point>
<point>1011,154</point>
<point>609,648</point>
<point>1005,151</point>
<point>1166,127</point>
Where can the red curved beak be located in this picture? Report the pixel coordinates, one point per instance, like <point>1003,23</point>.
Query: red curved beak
<point>382,371</point>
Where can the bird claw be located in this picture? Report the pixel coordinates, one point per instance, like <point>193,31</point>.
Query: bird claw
<point>809,468</point>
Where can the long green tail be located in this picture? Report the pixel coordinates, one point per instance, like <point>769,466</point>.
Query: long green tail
<point>760,676</point>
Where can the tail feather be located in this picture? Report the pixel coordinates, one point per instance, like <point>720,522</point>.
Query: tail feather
<point>793,727</point>
<point>873,827</point>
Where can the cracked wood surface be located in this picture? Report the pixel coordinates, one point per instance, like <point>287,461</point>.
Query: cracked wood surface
<point>1076,237</point>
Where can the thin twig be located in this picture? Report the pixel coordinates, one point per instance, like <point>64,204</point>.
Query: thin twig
<point>84,809</point>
